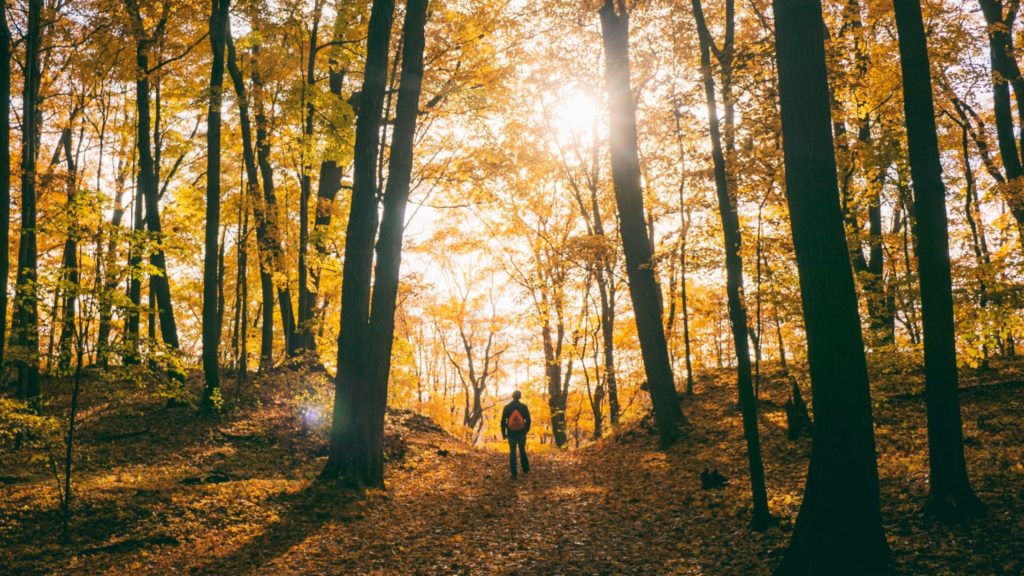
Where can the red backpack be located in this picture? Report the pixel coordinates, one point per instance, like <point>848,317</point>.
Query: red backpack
<point>515,421</point>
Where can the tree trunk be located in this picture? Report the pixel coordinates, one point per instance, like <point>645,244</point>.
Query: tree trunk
<point>643,285</point>
<point>219,16</point>
<point>69,272</point>
<point>1005,71</point>
<point>264,244</point>
<point>950,493</point>
<point>734,278</point>
<point>147,184</point>
<point>553,377</point>
<point>134,311</point>
<point>307,340</point>
<point>328,184</point>
<point>25,326</point>
<point>5,172</point>
<point>272,219</point>
<point>353,451</point>
<point>389,245</point>
<point>839,527</point>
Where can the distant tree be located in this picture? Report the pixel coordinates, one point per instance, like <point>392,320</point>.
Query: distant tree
<point>643,285</point>
<point>839,527</point>
<point>950,493</point>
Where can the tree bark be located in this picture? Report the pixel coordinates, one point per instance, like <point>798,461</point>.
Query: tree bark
<point>1005,73</point>
<point>307,340</point>
<point>950,493</point>
<point>353,451</point>
<point>69,271</point>
<point>643,285</point>
<point>25,327</point>
<point>219,16</point>
<point>329,182</point>
<point>839,527</point>
<point>272,219</point>
<point>264,244</point>
<point>148,186</point>
<point>5,172</point>
<point>734,276</point>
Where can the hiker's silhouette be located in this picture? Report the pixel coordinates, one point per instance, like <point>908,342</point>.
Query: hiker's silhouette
<point>515,424</point>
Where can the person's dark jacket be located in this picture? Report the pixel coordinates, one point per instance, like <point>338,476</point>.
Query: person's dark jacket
<point>523,411</point>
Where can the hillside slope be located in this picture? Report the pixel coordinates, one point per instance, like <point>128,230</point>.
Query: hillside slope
<point>164,491</point>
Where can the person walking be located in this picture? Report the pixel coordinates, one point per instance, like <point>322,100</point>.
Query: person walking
<point>515,424</point>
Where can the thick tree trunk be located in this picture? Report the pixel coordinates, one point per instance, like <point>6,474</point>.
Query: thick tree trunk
<point>5,172</point>
<point>839,527</point>
<point>219,16</point>
<point>950,493</point>
<point>264,244</point>
<point>25,327</point>
<point>389,245</point>
<point>353,452</point>
<point>643,285</point>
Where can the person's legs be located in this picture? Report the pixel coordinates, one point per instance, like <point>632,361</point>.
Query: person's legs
<point>512,443</point>
<point>522,453</point>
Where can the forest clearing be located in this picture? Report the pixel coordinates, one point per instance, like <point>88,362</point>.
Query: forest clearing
<point>298,286</point>
<point>164,491</point>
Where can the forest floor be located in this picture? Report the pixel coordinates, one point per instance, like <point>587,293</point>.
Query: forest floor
<point>163,490</point>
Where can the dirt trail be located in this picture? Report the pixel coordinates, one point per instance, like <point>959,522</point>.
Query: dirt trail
<point>462,514</point>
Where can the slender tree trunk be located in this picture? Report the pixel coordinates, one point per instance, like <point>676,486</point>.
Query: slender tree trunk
<point>25,327</point>
<point>329,182</point>
<point>307,340</point>
<point>109,278</point>
<point>273,226</point>
<point>148,188</point>
<point>69,273</point>
<point>839,527</point>
<point>734,280</point>
<point>972,213</point>
<point>636,243</point>
<point>352,451</point>
<point>1005,71</point>
<point>212,262</point>
<point>134,312</point>
<point>950,493</point>
<point>264,243</point>
<point>5,172</point>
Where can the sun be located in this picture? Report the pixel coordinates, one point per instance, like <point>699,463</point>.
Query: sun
<point>575,114</point>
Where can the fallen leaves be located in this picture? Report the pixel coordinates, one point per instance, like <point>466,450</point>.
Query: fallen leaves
<point>238,495</point>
